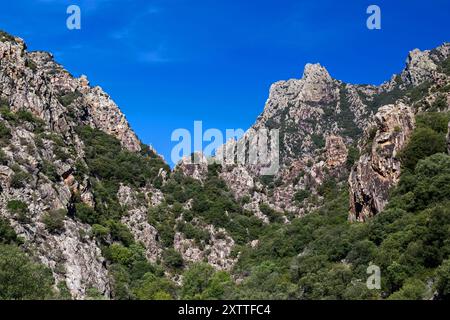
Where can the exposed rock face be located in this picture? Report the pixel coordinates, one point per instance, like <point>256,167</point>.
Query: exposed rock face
<point>379,170</point>
<point>72,255</point>
<point>106,116</point>
<point>77,257</point>
<point>34,82</point>
<point>317,116</point>
<point>137,221</point>
<point>217,253</point>
<point>336,151</point>
<point>196,167</point>
<point>419,67</point>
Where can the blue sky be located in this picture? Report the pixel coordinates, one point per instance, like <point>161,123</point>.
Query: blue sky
<point>169,63</point>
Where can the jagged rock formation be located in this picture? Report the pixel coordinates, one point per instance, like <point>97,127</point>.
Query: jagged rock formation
<point>35,82</point>
<point>318,119</point>
<point>378,170</point>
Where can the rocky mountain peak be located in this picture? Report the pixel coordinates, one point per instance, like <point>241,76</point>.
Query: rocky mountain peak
<point>34,82</point>
<point>419,67</point>
<point>315,73</point>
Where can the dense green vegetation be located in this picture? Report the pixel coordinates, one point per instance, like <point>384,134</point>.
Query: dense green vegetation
<point>210,201</point>
<point>108,161</point>
<point>346,118</point>
<point>54,220</point>
<point>20,276</point>
<point>428,138</point>
<point>108,165</point>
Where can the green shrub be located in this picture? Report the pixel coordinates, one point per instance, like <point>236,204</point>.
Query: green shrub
<point>191,232</point>
<point>7,233</point>
<point>20,178</point>
<point>60,153</point>
<point>412,289</point>
<point>301,195</point>
<point>272,215</point>
<point>86,214</point>
<point>439,104</point>
<point>318,141</point>
<point>5,133</point>
<point>328,188</point>
<point>54,220</point>
<point>3,158</point>
<point>19,209</point>
<point>443,280</point>
<point>117,253</point>
<point>49,170</point>
<point>68,98</point>
<point>120,232</point>
<point>100,231</point>
<point>152,287</point>
<point>172,259</point>
<point>416,93</point>
<point>21,278</point>
<point>108,161</point>
<point>94,294</point>
<point>196,280</point>
<point>25,116</point>
<point>437,121</point>
<point>424,142</point>
<point>352,156</point>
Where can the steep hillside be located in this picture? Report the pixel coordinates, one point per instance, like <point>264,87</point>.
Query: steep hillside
<point>66,149</point>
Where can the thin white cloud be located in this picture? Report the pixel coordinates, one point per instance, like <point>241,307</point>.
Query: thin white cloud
<point>152,57</point>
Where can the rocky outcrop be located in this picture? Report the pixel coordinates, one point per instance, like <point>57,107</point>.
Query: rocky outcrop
<point>379,170</point>
<point>106,116</point>
<point>217,253</point>
<point>195,166</point>
<point>35,82</point>
<point>76,259</point>
<point>419,67</point>
<point>72,254</point>
<point>137,220</point>
<point>317,117</point>
<point>336,151</point>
